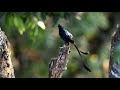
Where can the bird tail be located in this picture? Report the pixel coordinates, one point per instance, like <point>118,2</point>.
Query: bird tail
<point>86,68</point>
<point>86,53</point>
<point>82,58</point>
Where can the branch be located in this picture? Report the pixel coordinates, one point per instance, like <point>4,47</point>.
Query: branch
<point>6,67</point>
<point>59,64</point>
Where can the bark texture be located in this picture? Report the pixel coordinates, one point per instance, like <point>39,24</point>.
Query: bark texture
<point>6,67</point>
<point>59,64</point>
<point>114,64</point>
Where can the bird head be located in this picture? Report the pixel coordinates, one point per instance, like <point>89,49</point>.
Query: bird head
<point>60,27</point>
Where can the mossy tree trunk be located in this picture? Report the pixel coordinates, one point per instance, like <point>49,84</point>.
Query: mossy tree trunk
<point>114,64</point>
<point>6,67</point>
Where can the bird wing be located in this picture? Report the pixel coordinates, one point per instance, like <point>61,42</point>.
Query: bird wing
<point>69,35</point>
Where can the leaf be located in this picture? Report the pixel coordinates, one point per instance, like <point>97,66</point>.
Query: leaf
<point>9,19</point>
<point>29,24</point>
<point>41,24</point>
<point>33,26</point>
<point>18,22</point>
<point>36,31</point>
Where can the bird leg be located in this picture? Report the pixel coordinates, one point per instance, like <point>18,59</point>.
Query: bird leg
<point>67,44</point>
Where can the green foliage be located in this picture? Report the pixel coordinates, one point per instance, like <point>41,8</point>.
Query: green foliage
<point>25,32</point>
<point>18,22</point>
<point>92,22</point>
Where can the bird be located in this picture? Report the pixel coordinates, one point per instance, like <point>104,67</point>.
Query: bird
<point>68,37</point>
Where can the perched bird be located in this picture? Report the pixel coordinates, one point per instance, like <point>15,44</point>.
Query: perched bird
<point>68,37</point>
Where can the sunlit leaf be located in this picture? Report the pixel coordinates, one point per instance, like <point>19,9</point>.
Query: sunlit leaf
<point>41,24</point>
<point>33,26</point>
<point>19,24</point>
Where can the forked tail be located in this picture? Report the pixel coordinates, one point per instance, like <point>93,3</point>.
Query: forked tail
<point>82,58</point>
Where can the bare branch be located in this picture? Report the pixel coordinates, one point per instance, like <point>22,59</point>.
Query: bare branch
<point>59,64</point>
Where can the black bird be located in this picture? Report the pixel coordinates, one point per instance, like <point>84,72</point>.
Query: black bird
<point>68,37</point>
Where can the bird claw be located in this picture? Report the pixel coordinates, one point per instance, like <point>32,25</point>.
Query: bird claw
<point>69,51</point>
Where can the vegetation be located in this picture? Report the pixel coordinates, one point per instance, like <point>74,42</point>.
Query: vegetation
<point>35,40</point>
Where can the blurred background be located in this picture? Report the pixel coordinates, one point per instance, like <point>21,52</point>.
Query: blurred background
<point>35,39</point>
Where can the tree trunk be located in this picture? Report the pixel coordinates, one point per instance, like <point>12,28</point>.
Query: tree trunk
<point>6,67</point>
<point>59,64</point>
<point>114,64</point>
